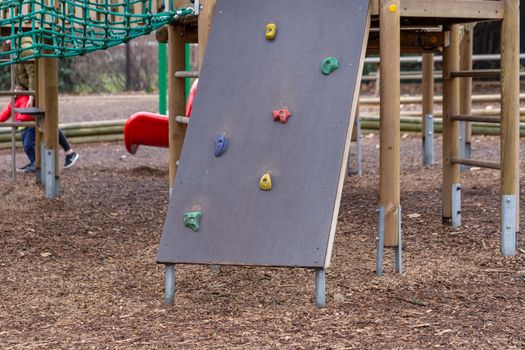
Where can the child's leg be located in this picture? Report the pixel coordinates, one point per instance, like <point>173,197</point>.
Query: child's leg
<point>28,140</point>
<point>62,140</point>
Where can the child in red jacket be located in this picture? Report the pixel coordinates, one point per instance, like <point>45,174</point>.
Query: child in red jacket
<point>28,133</point>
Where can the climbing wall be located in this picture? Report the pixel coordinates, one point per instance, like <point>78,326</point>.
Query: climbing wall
<point>264,60</point>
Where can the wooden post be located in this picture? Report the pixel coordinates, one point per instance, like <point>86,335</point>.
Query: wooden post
<point>510,115</point>
<point>428,108</point>
<point>50,74</point>
<point>428,84</point>
<point>465,84</point>
<point>176,101</point>
<point>39,98</point>
<point>451,172</point>
<point>390,114</point>
<point>205,19</point>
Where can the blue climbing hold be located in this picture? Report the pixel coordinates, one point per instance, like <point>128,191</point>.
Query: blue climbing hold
<point>221,143</point>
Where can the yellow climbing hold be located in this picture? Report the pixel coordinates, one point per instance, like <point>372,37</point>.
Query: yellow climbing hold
<point>271,31</point>
<point>392,8</point>
<point>266,182</point>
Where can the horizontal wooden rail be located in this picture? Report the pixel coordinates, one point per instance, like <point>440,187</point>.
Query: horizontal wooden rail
<point>479,73</point>
<point>182,120</point>
<point>187,74</point>
<point>476,163</point>
<point>17,93</point>
<point>476,119</point>
<point>18,124</point>
<point>492,98</point>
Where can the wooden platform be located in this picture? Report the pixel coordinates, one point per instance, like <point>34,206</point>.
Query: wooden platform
<point>244,78</point>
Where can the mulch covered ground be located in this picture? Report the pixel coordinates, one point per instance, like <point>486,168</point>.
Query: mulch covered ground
<point>79,272</point>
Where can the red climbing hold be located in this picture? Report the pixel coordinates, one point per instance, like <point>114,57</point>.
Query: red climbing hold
<point>281,115</point>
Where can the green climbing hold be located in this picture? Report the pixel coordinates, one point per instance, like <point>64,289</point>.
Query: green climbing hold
<point>192,220</point>
<point>329,65</point>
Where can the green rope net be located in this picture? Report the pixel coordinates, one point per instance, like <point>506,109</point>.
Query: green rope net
<point>65,28</point>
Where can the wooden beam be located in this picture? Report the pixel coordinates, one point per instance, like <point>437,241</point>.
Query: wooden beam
<point>427,91</point>
<point>50,67</point>
<point>389,114</point>
<point>510,102</point>
<point>205,19</point>
<point>177,98</point>
<point>476,163</point>
<point>451,171</point>
<point>412,42</point>
<point>465,85</point>
<point>474,9</point>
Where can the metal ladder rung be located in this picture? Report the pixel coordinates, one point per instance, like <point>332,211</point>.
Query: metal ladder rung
<point>187,74</point>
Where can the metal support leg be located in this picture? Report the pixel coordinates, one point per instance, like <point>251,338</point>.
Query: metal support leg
<point>39,172</point>
<point>463,144</point>
<point>380,242</point>
<point>428,141</point>
<point>456,205</point>
<point>320,288</point>
<point>508,225</point>
<point>169,283</point>
<point>51,180</point>
<point>358,153</point>
<point>399,248</point>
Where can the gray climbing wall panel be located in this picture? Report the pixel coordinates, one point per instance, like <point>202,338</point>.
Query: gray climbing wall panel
<point>244,78</point>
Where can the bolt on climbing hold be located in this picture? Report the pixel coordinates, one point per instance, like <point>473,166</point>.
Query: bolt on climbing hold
<point>392,8</point>
<point>221,143</point>
<point>329,65</point>
<point>266,182</point>
<point>281,115</point>
<point>192,220</point>
<point>271,31</point>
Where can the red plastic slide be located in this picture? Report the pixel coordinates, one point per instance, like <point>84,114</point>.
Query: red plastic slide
<point>151,129</point>
<point>144,128</point>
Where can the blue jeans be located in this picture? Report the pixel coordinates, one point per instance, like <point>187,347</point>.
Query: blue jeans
<point>28,140</point>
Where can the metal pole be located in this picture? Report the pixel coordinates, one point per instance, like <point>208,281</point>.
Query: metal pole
<point>13,130</point>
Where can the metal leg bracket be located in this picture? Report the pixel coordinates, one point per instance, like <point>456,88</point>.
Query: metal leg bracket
<point>399,248</point>
<point>320,288</point>
<point>428,141</point>
<point>51,180</point>
<point>456,205</point>
<point>380,244</point>
<point>508,225</point>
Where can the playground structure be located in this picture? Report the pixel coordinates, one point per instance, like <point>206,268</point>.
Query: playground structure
<point>389,31</point>
<point>396,27</point>
<point>40,31</point>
